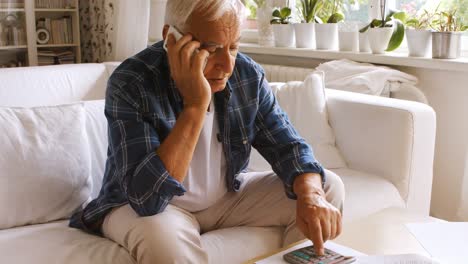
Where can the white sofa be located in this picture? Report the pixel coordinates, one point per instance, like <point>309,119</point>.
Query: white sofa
<point>387,144</point>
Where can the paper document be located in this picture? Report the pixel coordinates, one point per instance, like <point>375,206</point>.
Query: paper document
<point>446,242</point>
<point>396,259</point>
<point>361,258</point>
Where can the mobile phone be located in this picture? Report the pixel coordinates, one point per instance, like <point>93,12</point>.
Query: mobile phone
<point>173,30</point>
<point>177,35</point>
<point>306,255</point>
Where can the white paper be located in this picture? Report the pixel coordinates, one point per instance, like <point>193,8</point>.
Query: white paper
<point>278,258</point>
<point>445,241</point>
<point>395,259</point>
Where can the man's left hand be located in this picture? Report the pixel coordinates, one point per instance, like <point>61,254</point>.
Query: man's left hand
<point>317,219</point>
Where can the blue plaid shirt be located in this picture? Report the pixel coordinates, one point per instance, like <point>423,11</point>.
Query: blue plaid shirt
<point>142,106</point>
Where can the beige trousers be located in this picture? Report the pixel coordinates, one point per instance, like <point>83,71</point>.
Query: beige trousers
<point>173,236</point>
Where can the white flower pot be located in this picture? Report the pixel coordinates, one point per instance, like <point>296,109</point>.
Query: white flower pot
<point>284,35</point>
<point>419,42</point>
<point>265,31</point>
<point>305,35</point>
<point>379,39</point>
<point>326,36</point>
<point>364,45</point>
<point>349,41</point>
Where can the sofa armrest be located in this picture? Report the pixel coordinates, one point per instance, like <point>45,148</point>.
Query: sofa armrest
<point>387,137</point>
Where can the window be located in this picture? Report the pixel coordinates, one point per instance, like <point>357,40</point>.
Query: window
<point>363,10</point>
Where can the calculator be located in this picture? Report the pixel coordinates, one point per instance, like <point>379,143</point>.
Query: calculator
<point>306,255</point>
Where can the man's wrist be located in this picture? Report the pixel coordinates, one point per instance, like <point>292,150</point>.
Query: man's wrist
<point>308,183</point>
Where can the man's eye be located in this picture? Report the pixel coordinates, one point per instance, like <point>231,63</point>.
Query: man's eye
<point>211,49</point>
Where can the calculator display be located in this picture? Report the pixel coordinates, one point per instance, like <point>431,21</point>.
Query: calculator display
<point>306,255</point>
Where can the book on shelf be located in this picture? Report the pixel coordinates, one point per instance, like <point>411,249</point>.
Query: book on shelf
<point>60,29</point>
<point>57,4</point>
<point>51,57</point>
<point>5,4</point>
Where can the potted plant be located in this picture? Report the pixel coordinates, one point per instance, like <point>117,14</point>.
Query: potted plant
<point>283,30</point>
<point>305,31</point>
<point>263,13</point>
<point>418,34</point>
<point>387,33</point>
<point>446,41</point>
<point>326,29</point>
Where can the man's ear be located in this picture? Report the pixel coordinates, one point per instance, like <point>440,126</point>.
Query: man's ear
<point>164,32</point>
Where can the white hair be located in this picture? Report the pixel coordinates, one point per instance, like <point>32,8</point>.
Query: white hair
<point>178,12</point>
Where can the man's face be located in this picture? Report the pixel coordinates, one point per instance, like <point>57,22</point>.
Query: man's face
<point>221,38</point>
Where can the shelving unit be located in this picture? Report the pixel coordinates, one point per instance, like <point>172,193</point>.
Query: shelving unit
<point>32,51</point>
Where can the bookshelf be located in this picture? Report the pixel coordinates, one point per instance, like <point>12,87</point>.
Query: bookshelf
<point>59,30</point>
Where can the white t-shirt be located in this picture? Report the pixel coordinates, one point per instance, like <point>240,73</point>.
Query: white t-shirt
<point>205,181</point>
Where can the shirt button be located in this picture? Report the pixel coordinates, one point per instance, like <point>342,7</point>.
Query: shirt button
<point>244,142</point>
<point>237,184</point>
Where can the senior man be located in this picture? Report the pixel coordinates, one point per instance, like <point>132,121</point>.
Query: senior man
<point>181,127</point>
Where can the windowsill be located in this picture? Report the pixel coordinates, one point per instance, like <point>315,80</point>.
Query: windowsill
<point>391,58</point>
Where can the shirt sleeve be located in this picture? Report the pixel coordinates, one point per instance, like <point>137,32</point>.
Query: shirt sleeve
<point>133,141</point>
<point>279,142</point>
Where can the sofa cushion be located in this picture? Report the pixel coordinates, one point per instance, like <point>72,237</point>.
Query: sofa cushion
<point>366,194</point>
<point>44,164</point>
<point>96,128</point>
<point>305,104</point>
<point>57,243</point>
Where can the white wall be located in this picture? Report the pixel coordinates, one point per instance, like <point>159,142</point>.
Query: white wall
<point>447,92</point>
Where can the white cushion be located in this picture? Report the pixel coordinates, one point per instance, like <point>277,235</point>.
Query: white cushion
<point>44,164</point>
<point>96,128</point>
<point>57,243</point>
<point>305,104</point>
<point>367,193</point>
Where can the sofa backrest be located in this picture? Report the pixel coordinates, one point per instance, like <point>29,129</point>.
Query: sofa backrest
<point>52,85</point>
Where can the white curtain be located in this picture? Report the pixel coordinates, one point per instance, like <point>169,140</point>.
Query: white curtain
<point>113,30</point>
<point>158,10</point>
<point>131,28</point>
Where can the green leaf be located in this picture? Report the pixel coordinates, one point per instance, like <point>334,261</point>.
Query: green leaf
<point>318,20</point>
<point>376,23</point>
<point>412,22</point>
<point>397,35</point>
<point>318,7</point>
<point>364,29</point>
<point>285,12</point>
<point>276,13</point>
<point>400,16</point>
<point>335,18</point>
<point>391,12</point>
<point>275,21</point>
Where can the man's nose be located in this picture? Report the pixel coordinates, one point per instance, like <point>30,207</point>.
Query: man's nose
<point>224,61</point>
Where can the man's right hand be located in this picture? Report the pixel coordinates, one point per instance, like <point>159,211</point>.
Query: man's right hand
<point>187,67</point>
